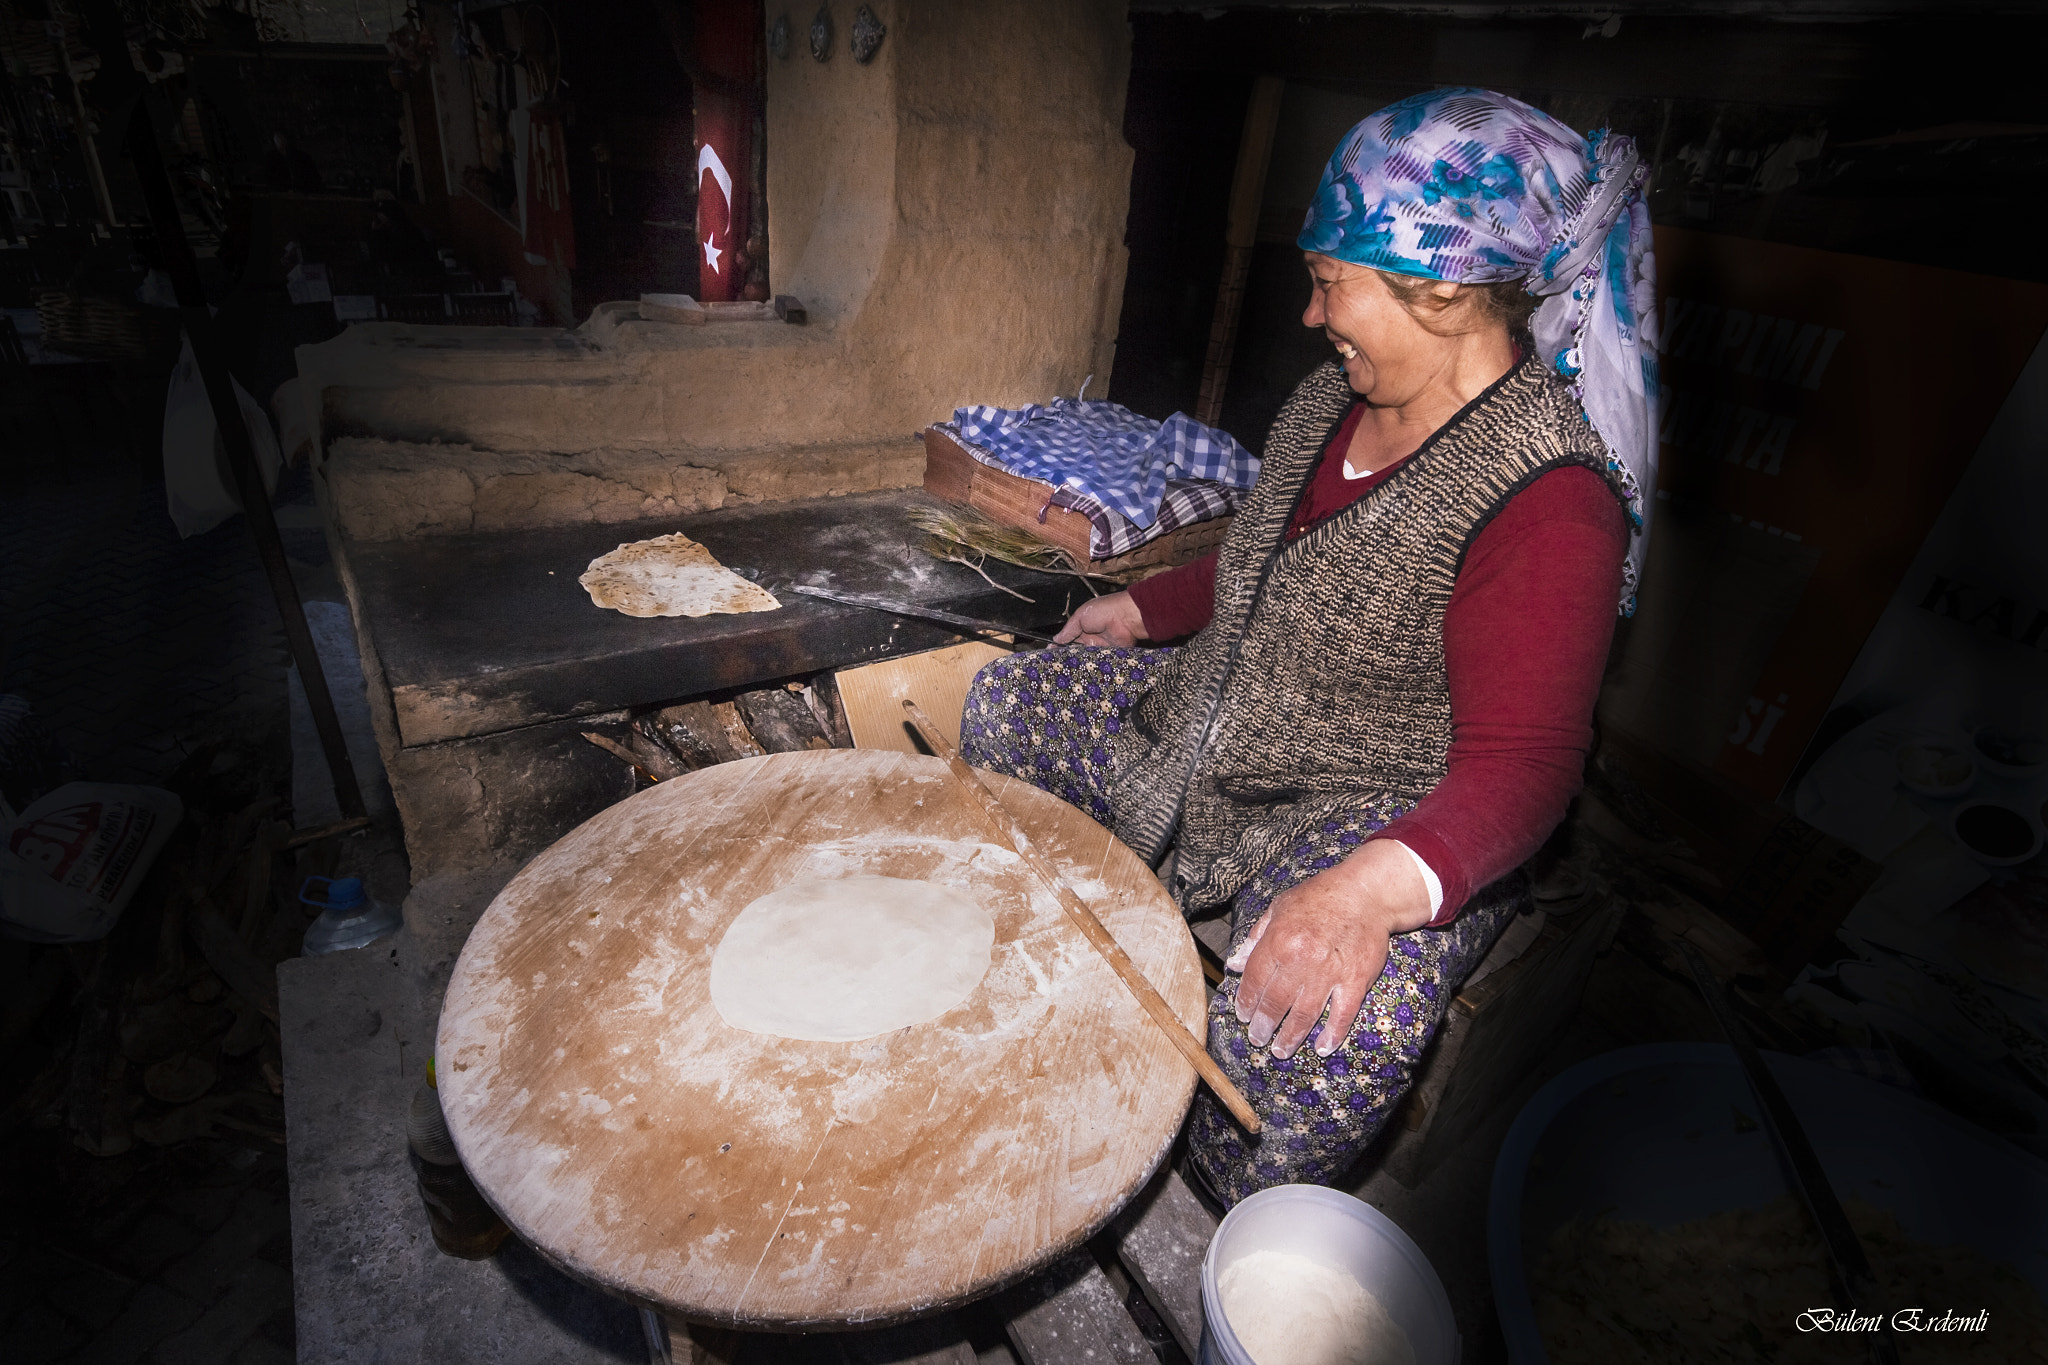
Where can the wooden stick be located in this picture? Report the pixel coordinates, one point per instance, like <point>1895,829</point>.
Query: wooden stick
<point>1247,186</point>
<point>246,974</point>
<point>618,750</point>
<point>1008,831</point>
<point>299,838</point>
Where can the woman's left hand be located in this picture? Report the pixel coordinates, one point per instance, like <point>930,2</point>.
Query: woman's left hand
<point>1323,942</point>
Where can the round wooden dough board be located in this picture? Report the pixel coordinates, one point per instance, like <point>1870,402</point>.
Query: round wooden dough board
<point>629,1134</point>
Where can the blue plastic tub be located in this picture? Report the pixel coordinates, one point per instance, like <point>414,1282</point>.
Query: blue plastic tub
<point>1649,1134</point>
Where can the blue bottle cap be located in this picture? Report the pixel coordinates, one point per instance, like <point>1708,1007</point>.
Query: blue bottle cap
<point>342,893</point>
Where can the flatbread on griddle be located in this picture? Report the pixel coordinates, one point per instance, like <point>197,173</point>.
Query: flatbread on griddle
<point>670,576</point>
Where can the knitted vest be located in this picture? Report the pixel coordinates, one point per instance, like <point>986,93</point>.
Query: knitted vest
<point>1318,686</point>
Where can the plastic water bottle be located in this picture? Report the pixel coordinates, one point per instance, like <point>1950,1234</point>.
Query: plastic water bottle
<point>348,917</point>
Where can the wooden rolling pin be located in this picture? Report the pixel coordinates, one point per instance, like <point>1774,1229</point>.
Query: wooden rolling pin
<point>1007,831</point>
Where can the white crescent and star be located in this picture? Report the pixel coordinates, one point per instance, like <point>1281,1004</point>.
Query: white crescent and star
<point>707,160</point>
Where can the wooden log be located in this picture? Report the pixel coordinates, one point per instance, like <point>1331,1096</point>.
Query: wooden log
<point>693,1343</point>
<point>738,738</point>
<point>702,733</point>
<point>620,752</point>
<point>677,738</point>
<point>1161,1238</point>
<point>654,758</point>
<point>1070,1315</point>
<point>647,759</point>
<point>780,722</point>
<point>831,710</point>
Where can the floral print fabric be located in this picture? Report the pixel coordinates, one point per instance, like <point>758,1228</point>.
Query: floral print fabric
<point>1321,1112</point>
<point>1475,187</point>
<point>1045,718</point>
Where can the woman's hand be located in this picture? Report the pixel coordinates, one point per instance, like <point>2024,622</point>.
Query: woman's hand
<point>1113,621</point>
<point>1324,942</point>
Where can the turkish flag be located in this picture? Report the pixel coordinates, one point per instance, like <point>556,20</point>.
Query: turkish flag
<point>714,224</point>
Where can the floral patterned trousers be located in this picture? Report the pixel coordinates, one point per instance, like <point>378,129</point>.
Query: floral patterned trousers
<point>1045,718</point>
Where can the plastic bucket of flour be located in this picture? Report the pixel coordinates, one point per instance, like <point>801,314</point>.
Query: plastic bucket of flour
<point>1334,1232</point>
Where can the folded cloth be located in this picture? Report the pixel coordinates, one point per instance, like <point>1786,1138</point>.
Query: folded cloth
<point>1111,533</point>
<point>1106,451</point>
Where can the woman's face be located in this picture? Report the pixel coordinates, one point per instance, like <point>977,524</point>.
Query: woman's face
<point>1389,357</point>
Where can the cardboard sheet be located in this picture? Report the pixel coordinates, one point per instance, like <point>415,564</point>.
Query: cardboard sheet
<point>936,680</point>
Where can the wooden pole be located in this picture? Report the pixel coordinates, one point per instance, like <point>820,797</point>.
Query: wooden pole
<point>1247,188</point>
<point>1007,831</point>
<point>116,83</point>
<point>88,144</point>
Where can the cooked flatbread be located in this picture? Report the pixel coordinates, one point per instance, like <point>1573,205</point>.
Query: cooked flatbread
<point>670,576</point>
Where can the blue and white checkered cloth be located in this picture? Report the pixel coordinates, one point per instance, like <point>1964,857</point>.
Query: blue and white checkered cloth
<point>1106,451</point>
<point>1111,533</point>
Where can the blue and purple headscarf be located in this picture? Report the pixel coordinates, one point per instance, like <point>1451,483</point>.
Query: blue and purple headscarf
<point>1473,187</point>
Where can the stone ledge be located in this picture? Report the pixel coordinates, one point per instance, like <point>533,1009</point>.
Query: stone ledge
<point>385,490</point>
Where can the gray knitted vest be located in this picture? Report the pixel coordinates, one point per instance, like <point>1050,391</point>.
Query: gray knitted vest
<point>1318,686</point>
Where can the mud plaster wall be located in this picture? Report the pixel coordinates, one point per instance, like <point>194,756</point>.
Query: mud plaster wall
<point>951,214</point>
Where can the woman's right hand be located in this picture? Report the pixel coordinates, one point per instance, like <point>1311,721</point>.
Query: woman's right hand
<point>1112,622</point>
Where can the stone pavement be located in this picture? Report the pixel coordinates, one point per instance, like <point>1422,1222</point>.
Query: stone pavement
<point>188,1262</point>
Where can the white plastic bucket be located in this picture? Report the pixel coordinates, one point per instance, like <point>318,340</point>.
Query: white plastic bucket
<point>1332,1228</point>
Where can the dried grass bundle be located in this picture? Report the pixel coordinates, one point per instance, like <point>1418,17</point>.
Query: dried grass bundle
<point>956,529</point>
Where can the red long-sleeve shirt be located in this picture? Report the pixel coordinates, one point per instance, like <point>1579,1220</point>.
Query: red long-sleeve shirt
<point>1526,636</point>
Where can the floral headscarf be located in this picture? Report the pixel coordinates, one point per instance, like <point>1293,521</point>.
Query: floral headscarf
<point>1474,187</point>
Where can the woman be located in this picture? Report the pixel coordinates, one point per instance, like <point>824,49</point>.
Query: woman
<point>1386,700</point>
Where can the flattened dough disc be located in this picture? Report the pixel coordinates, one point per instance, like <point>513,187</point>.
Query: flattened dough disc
<point>623,1129</point>
<point>841,959</point>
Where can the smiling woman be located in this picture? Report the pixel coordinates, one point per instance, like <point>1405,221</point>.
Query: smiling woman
<point>1385,696</point>
<point>1415,360</point>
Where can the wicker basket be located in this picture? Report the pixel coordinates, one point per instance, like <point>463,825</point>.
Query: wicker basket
<point>92,327</point>
<point>1018,504</point>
